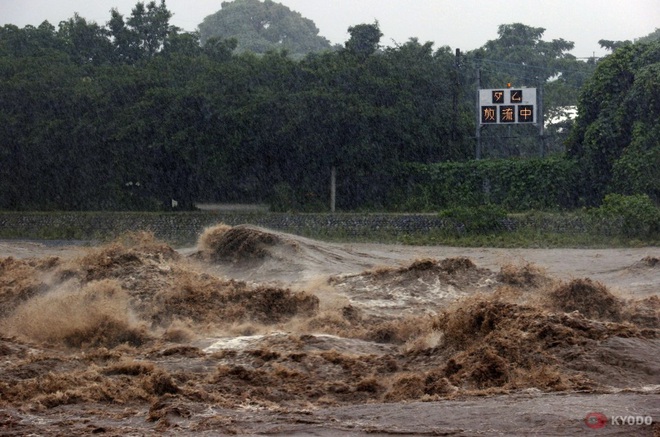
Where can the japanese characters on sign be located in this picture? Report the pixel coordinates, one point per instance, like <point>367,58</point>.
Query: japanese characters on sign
<point>507,105</point>
<point>507,114</point>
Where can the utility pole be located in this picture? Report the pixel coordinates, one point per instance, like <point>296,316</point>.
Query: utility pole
<point>478,132</point>
<point>457,90</point>
<point>541,120</point>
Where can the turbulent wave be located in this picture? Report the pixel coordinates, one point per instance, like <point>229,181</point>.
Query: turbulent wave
<point>135,322</point>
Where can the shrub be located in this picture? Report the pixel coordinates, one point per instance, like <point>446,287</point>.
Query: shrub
<point>516,184</point>
<point>480,220</point>
<point>631,216</point>
<point>283,198</point>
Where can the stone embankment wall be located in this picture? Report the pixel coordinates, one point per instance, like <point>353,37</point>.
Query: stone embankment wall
<point>184,228</point>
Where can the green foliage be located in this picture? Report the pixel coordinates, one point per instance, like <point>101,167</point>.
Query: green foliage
<point>139,129</point>
<point>261,26</point>
<point>638,168</point>
<point>29,41</point>
<point>653,36</point>
<point>537,230</point>
<point>631,216</point>
<point>617,130</point>
<point>613,45</point>
<point>517,185</point>
<point>480,220</point>
<point>364,41</point>
<point>143,34</point>
<point>283,198</point>
<point>520,44</point>
<point>135,114</point>
<point>86,43</point>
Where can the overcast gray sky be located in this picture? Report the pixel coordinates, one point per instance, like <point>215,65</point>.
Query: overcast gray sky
<point>464,24</point>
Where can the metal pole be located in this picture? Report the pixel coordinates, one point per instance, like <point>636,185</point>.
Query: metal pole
<point>541,120</point>
<point>457,89</point>
<point>478,132</point>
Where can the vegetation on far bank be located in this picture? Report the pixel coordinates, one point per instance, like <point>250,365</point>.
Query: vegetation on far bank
<point>139,115</point>
<point>636,225</point>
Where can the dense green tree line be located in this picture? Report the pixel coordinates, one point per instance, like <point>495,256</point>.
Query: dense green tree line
<point>137,113</point>
<point>514,184</point>
<point>617,136</point>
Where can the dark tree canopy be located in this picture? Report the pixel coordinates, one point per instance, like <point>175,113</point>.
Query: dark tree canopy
<point>612,45</point>
<point>85,42</point>
<point>365,39</point>
<point>653,36</point>
<point>518,44</point>
<point>136,113</point>
<point>259,26</point>
<point>617,135</point>
<point>143,34</point>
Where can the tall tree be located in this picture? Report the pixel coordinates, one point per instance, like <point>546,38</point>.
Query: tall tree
<point>29,41</point>
<point>143,34</point>
<point>364,40</point>
<point>617,131</point>
<point>524,58</point>
<point>653,36</point>
<point>86,43</point>
<point>260,26</point>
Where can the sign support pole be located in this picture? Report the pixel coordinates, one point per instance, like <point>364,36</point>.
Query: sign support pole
<point>506,107</point>
<point>540,120</point>
<point>478,131</point>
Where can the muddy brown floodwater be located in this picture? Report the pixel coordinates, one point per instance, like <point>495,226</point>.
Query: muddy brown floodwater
<point>260,332</point>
